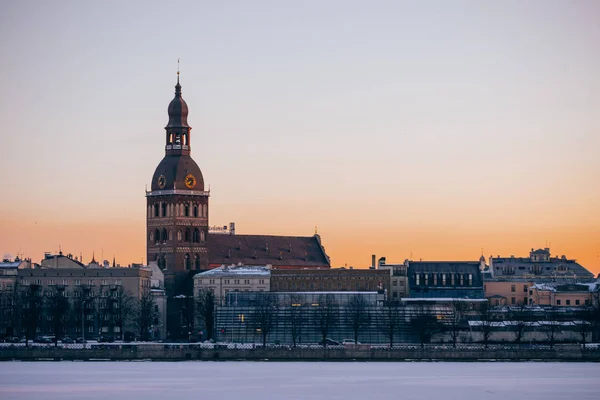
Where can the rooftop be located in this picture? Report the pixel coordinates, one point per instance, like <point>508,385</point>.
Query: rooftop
<point>244,270</point>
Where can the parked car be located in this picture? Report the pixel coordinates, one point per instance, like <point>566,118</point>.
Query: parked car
<point>43,339</point>
<point>67,340</point>
<point>106,339</point>
<point>129,336</point>
<point>329,342</point>
<point>349,341</point>
<point>12,339</point>
<point>80,340</point>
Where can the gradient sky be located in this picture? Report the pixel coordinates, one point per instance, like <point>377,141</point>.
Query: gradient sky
<point>424,128</point>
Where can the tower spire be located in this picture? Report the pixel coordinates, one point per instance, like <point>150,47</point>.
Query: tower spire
<point>178,71</point>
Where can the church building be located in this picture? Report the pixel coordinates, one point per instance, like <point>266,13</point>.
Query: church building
<point>177,227</point>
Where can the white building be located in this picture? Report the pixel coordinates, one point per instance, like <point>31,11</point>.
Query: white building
<point>234,278</point>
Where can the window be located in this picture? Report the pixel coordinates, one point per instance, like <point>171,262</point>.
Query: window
<point>512,300</point>
<point>179,236</point>
<point>443,279</point>
<point>394,283</point>
<point>187,262</point>
<point>156,210</point>
<point>164,209</point>
<point>525,288</point>
<point>558,302</point>
<point>187,235</point>
<point>196,236</point>
<point>576,302</point>
<point>156,236</point>
<point>513,288</point>
<point>195,211</point>
<point>417,276</point>
<point>568,302</point>
<point>186,210</point>
<point>197,261</point>
<point>470,279</point>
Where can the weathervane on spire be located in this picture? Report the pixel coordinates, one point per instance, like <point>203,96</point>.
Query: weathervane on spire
<point>178,70</point>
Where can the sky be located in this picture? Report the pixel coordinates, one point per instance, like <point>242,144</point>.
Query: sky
<point>432,130</point>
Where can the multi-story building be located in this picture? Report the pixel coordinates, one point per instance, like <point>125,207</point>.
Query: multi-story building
<point>398,278</point>
<point>445,279</point>
<point>562,295</point>
<point>508,279</point>
<point>8,285</point>
<point>233,278</point>
<point>99,297</point>
<point>334,279</point>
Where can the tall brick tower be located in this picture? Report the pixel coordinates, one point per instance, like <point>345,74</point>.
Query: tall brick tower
<point>177,206</point>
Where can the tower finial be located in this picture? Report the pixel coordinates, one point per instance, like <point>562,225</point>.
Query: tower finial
<point>178,71</point>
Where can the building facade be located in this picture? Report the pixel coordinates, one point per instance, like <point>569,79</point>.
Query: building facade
<point>232,279</point>
<point>508,279</point>
<point>398,279</point>
<point>445,279</point>
<point>334,279</point>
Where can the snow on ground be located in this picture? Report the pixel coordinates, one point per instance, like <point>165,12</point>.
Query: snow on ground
<point>298,380</point>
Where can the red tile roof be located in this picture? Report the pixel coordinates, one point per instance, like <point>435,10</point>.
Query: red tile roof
<point>278,251</point>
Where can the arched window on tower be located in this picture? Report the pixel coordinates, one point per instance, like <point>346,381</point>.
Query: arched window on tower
<point>186,262</point>
<point>202,238</point>
<point>170,235</point>
<point>164,209</point>
<point>196,261</point>
<point>196,236</point>
<point>156,236</point>
<point>150,236</point>
<point>187,235</point>
<point>156,210</point>
<point>165,263</point>
<point>195,211</point>
<point>186,210</point>
<point>177,210</point>
<point>205,210</point>
<point>164,235</point>
<point>179,235</point>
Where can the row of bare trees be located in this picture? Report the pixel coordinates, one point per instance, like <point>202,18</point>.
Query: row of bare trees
<point>33,310</point>
<point>391,319</point>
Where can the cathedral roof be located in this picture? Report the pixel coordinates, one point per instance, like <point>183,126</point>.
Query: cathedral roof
<point>292,251</point>
<point>174,169</point>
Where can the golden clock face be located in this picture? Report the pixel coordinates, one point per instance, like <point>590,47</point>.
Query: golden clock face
<point>190,181</point>
<point>161,181</point>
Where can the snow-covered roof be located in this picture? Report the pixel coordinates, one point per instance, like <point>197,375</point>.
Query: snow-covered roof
<point>10,264</point>
<point>240,270</point>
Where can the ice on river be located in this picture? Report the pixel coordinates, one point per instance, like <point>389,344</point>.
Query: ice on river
<point>298,380</point>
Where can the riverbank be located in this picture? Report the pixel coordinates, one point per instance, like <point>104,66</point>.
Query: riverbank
<point>178,352</point>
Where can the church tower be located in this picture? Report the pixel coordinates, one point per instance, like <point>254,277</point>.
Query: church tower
<point>177,206</point>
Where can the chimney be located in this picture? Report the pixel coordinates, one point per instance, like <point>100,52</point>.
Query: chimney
<point>232,228</point>
<point>372,261</point>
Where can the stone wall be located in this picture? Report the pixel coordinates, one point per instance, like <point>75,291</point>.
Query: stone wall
<point>166,352</point>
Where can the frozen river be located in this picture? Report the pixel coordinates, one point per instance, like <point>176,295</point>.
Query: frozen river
<point>298,380</point>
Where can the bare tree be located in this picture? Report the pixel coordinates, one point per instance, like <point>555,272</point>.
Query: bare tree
<point>519,323</point>
<point>487,322</point>
<point>454,322</point>
<point>124,306</point>
<point>296,316</point>
<point>265,313</point>
<point>145,314</point>
<point>9,310</point>
<point>326,315</point>
<point>389,320</point>
<point>425,324</point>
<point>205,311</point>
<point>31,301</point>
<point>551,328</point>
<point>357,314</point>
<point>58,307</point>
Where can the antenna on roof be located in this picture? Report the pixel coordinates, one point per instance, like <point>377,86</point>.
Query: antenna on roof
<point>316,230</point>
